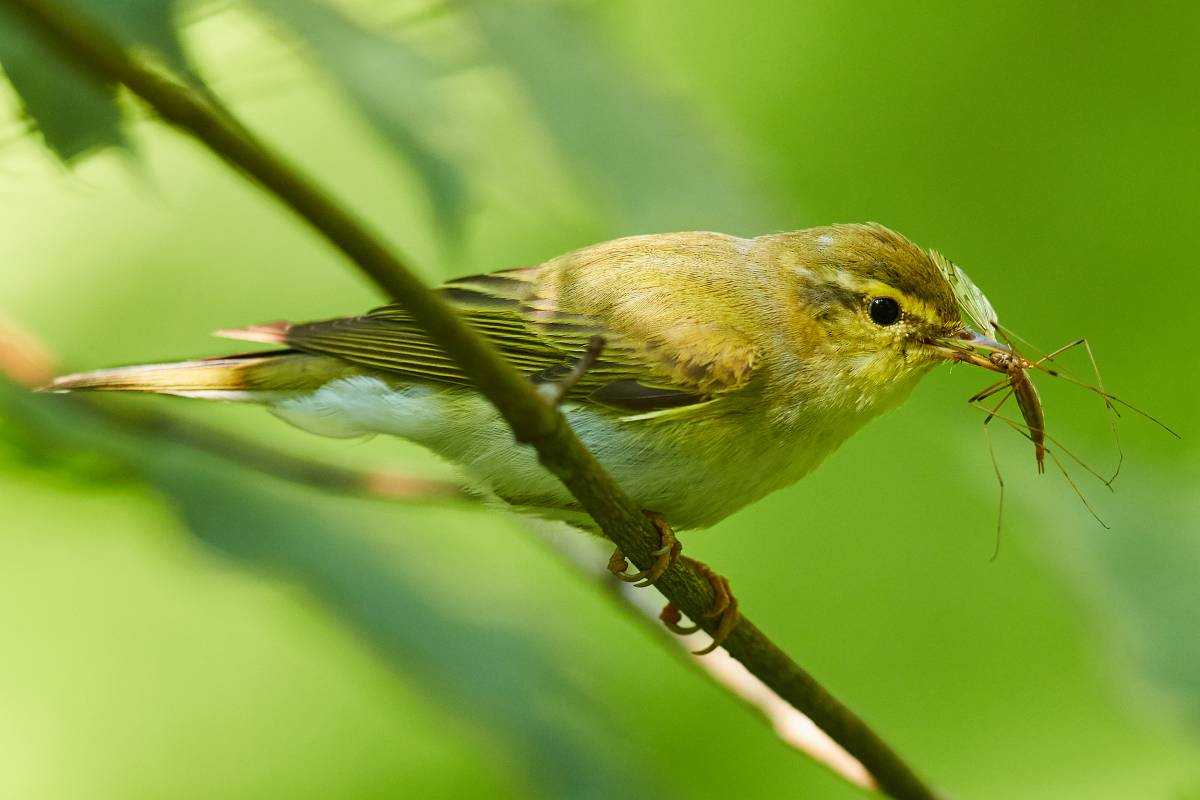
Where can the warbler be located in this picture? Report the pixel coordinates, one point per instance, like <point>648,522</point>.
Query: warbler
<point>731,367</point>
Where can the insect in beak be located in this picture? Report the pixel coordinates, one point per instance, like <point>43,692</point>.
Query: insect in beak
<point>962,346</point>
<point>1003,358</point>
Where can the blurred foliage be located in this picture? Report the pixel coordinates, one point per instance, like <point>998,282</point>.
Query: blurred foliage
<point>648,156</point>
<point>1048,150</point>
<point>403,107</point>
<point>74,111</point>
<point>336,553</point>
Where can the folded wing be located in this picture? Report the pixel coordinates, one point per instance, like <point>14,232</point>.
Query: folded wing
<point>516,314</point>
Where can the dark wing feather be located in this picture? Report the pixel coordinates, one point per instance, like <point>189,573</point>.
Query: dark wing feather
<point>538,339</point>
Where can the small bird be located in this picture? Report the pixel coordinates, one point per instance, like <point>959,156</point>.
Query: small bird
<point>731,367</point>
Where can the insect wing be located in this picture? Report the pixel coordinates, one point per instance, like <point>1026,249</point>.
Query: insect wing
<point>972,302</point>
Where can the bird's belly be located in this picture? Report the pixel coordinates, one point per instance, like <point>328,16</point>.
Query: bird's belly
<point>694,472</point>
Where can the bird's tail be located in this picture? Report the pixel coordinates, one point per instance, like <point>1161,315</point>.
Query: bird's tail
<point>252,377</point>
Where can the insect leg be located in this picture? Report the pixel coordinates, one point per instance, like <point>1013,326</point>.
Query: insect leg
<point>987,432</point>
<point>1024,431</point>
<point>989,391</point>
<point>1066,475</point>
<point>1110,399</point>
<point>1080,494</point>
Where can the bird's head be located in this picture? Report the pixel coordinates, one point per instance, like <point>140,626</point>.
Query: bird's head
<point>870,313</point>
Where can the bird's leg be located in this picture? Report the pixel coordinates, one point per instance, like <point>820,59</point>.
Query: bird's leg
<point>664,556</point>
<point>725,607</point>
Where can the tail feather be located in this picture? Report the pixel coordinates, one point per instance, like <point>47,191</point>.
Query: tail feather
<point>268,332</point>
<point>246,377</point>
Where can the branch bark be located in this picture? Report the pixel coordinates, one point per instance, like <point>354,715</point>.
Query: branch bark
<point>533,421</point>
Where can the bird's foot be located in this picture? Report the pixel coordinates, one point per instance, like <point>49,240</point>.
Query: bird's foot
<point>664,556</point>
<point>725,607</point>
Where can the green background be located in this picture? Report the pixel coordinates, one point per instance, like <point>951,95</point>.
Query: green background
<point>177,627</point>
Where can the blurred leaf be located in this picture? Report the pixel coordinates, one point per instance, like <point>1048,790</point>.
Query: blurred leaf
<point>148,24</point>
<point>393,87</point>
<point>33,447</point>
<point>647,154</point>
<point>75,112</point>
<point>1154,579</point>
<point>503,679</point>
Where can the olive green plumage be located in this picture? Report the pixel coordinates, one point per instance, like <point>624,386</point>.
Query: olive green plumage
<point>731,366</point>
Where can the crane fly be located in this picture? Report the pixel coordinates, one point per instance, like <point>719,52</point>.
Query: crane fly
<point>1029,401</point>
<point>977,311</point>
<point>1007,359</point>
<point>1016,370</point>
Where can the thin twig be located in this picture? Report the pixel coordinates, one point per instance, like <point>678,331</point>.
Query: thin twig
<point>554,391</point>
<point>379,484</point>
<point>27,362</point>
<point>533,422</point>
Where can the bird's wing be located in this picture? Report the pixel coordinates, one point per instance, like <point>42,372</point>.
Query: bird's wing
<point>635,373</point>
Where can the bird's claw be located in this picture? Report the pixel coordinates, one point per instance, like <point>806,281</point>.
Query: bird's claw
<point>725,607</point>
<point>664,556</point>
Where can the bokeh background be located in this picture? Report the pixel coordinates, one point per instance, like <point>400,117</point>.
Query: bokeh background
<point>176,626</point>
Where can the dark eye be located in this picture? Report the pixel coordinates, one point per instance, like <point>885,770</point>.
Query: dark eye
<point>884,311</point>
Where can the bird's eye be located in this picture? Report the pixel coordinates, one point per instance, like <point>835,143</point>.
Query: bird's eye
<point>884,311</point>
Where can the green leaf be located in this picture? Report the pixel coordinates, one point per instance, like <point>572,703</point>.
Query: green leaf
<point>393,87</point>
<point>75,112</point>
<point>147,24</point>
<point>37,447</point>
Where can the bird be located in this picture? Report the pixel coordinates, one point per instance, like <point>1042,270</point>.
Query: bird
<point>719,368</point>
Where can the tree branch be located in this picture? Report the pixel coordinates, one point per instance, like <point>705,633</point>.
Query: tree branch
<point>26,361</point>
<point>532,420</point>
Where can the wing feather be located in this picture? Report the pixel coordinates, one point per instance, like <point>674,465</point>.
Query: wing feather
<point>520,316</point>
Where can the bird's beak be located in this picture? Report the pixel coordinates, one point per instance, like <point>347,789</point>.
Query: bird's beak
<point>964,345</point>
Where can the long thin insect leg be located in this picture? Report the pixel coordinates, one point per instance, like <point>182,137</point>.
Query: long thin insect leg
<point>1015,426</point>
<point>1084,499</point>
<point>1112,422</point>
<point>998,406</point>
<point>1050,356</point>
<point>987,432</point>
<point>989,391</point>
<point>1087,346</point>
<point>1112,397</point>
<point>1010,335</point>
<point>1018,426</point>
<point>1067,376</point>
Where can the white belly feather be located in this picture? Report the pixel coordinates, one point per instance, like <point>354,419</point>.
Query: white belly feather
<point>695,472</point>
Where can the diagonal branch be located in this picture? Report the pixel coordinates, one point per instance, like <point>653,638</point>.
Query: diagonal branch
<point>533,421</point>
<point>26,362</point>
